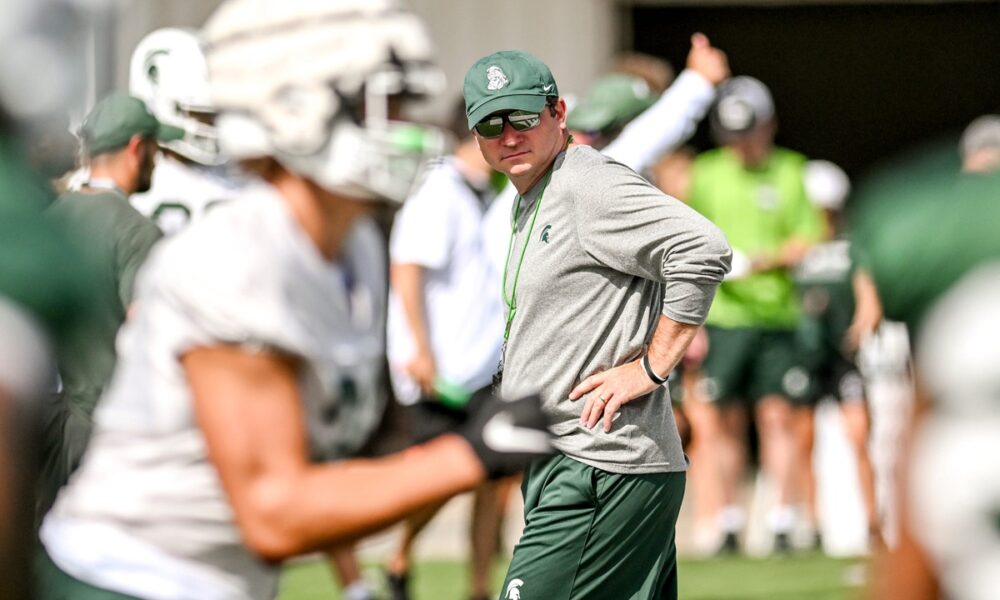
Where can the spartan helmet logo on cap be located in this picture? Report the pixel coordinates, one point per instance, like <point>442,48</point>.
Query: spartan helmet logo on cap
<point>735,114</point>
<point>496,78</point>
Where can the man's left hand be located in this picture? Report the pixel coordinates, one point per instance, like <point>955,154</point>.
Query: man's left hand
<point>609,391</point>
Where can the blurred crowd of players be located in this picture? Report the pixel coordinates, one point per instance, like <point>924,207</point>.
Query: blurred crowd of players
<point>803,317</point>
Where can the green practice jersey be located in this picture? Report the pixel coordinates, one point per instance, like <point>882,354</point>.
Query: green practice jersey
<point>824,282</point>
<point>759,210</point>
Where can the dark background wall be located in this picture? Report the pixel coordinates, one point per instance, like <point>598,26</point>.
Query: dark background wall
<point>853,83</point>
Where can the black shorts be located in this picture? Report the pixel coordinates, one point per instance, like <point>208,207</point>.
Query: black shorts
<point>837,378</point>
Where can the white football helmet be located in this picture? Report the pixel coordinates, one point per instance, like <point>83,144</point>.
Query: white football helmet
<point>827,186</point>
<point>309,82</point>
<point>169,73</point>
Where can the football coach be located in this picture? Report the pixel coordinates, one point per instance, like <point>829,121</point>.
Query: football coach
<point>606,282</point>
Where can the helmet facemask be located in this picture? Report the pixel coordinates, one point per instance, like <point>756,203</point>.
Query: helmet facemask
<point>331,118</point>
<point>201,141</point>
<point>169,73</point>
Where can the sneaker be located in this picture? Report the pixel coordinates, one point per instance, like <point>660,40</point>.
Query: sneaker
<point>782,544</point>
<point>817,542</point>
<point>398,585</point>
<point>359,590</point>
<point>730,545</point>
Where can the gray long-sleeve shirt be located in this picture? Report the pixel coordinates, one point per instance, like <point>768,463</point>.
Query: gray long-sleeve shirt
<point>607,255</point>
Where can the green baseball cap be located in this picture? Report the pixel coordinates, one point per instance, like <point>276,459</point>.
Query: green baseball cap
<point>507,80</point>
<point>118,117</point>
<point>614,100</point>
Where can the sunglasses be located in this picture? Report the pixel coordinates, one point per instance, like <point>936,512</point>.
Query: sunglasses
<point>520,120</point>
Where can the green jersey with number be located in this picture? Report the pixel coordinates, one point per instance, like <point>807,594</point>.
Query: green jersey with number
<point>759,210</point>
<point>824,281</point>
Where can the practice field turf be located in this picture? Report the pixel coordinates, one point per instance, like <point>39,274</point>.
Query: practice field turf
<point>806,577</point>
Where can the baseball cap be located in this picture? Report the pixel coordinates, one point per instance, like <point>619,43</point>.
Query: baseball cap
<point>742,104</point>
<point>507,80</point>
<point>614,100</point>
<point>118,117</point>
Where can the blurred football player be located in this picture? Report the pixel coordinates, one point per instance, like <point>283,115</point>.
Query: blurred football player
<point>826,352</point>
<point>45,285</point>
<point>241,365</point>
<point>169,73</point>
<point>926,235</point>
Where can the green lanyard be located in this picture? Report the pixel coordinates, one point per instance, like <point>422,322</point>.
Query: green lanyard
<point>511,302</point>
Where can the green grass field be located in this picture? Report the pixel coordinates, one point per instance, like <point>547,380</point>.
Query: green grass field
<point>806,577</point>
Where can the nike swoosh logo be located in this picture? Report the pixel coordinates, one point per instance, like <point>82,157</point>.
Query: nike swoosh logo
<point>547,88</point>
<point>501,435</point>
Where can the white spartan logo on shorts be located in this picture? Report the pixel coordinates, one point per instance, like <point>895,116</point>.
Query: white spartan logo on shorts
<point>496,78</point>
<point>514,589</point>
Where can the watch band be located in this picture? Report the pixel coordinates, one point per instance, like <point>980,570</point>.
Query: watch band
<point>649,371</point>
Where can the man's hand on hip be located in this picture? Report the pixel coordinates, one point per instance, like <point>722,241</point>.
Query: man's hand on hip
<point>608,391</point>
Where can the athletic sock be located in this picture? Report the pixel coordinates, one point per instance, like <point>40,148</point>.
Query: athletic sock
<point>732,519</point>
<point>781,519</point>
<point>359,590</point>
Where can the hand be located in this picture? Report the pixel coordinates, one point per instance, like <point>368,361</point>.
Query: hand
<point>789,255</point>
<point>863,326</point>
<point>711,63</point>
<point>423,370</point>
<point>507,436</point>
<point>609,391</point>
<point>867,310</point>
<point>793,252</point>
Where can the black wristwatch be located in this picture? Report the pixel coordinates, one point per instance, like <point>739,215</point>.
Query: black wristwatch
<point>649,371</point>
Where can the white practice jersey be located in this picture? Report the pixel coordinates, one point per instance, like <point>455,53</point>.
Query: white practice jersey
<point>439,229</point>
<point>146,514</point>
<point>181,193</point>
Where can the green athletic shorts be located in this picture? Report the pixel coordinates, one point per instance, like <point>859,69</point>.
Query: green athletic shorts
<point>590,534</point>
<point>748,363</point>
<point>55,584</point>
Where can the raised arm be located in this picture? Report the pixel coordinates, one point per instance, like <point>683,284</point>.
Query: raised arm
<point>675,116</point>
